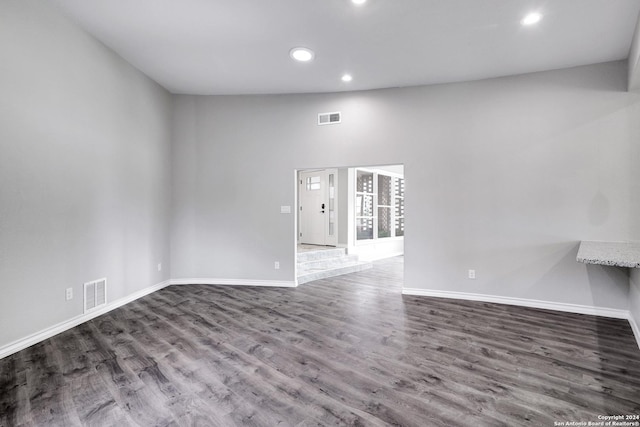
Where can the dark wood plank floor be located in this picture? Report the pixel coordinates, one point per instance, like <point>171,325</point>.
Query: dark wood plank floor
<point>343,351</point>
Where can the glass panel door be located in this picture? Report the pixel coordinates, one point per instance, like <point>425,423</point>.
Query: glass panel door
<point>364,205</point>
<point>332,205</point>
<point>379,204</point>
<point>399,206</point>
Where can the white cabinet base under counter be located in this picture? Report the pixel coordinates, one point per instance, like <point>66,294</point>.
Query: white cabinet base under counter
<point>616,254</point>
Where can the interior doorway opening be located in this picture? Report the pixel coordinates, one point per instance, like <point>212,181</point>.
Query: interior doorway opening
<point>348,217</point>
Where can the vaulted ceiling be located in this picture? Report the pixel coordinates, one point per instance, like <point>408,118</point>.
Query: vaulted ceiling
<point>242,46</point>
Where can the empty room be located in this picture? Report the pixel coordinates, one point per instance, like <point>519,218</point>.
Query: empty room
<point>314,213</point>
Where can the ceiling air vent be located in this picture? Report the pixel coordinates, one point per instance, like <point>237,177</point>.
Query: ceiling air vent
<point>95,294</point>
<point>329,118</point>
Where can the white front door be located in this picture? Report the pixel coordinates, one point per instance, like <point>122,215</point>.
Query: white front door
<point>318,207</point>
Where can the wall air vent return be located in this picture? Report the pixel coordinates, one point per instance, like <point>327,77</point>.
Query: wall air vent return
<point>95,294</point>
<point>329,118</point>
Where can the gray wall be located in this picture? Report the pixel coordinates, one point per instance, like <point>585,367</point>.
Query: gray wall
<point>84,170</point>
<point>504,176</point>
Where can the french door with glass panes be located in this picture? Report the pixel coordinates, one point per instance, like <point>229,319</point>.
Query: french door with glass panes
<point>379,205</point>
<point>318,205</point>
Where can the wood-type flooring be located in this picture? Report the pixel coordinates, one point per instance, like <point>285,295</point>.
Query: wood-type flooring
<point>348,350</point>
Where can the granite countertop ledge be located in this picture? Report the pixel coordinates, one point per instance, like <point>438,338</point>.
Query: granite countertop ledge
<point>617,254</point>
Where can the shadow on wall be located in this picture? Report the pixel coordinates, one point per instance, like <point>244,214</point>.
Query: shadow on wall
<point>605,281</point>
<point>547,272</point>
<point>606,284</point>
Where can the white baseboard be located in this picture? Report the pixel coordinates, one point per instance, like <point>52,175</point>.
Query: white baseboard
<point>235,282</point>
<point>378,258</point>
<point>548,305</point>
<point>37,337</point>
<point>42,335</point>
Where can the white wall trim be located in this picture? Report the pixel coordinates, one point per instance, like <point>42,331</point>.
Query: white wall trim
<point>381,257</point>
<point>44,334</point>
<point>635,328</point>
<point>235,282</point>
<point>49,332</point>
<point>547,305</point>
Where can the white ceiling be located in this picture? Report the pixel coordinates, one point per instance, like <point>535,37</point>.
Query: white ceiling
<point>242,46</point>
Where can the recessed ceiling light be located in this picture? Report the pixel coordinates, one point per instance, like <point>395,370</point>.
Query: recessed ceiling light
<point>359,1</point>
<point>301,54</point>
<point>347,78</point>
<point>532,18</point>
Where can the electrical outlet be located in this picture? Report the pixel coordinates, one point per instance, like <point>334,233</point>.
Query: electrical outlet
<point>69,294</point>
<point>159,266</point>
<point>276,265</point>
<point>472,274</point>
